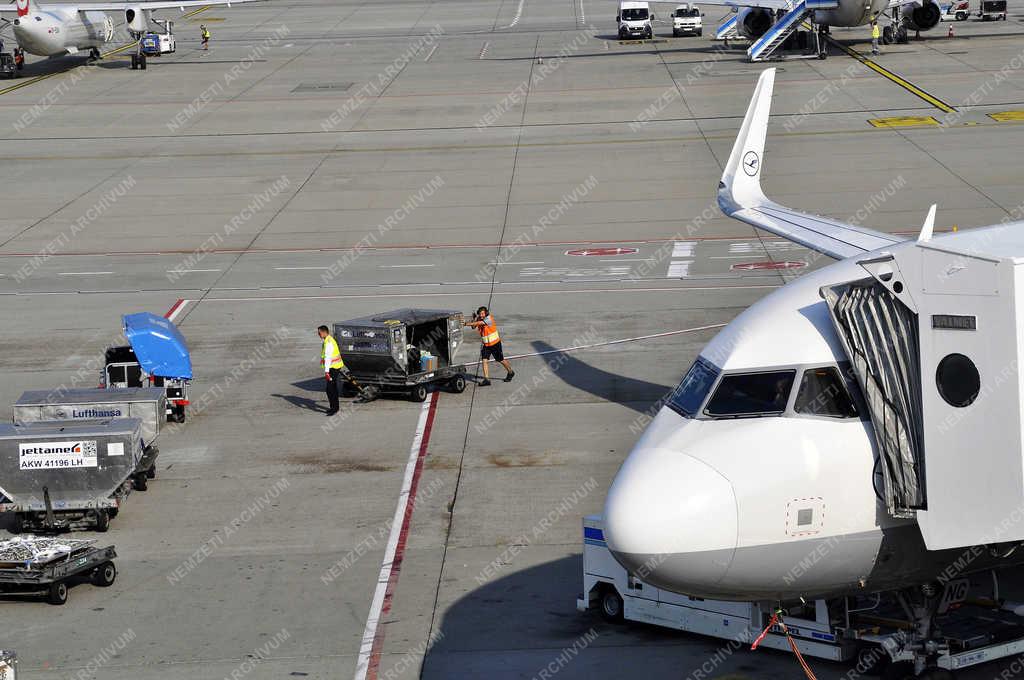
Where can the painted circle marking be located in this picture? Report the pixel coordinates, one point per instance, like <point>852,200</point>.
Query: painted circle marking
<point>753,266</point>
<point>751,163</point>
<point>602,252</point>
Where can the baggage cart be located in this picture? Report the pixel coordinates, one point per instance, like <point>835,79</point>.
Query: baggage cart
<point>404,351</point>
<point>48,566</point>
<point>156,356</point>
<point>56,476</point>
<point>148,404</point>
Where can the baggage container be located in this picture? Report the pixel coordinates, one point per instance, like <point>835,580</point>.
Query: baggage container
<point>56,475</point>
<point>404,350</point>
<point>148,404</point>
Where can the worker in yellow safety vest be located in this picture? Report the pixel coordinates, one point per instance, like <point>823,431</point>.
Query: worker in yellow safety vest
<point>875,34</point>
<point>490,344</point>
<point>330,359</point>
<point>206,37</point>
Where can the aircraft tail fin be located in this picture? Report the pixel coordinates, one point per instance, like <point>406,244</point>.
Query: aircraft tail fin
<point>24,7</point>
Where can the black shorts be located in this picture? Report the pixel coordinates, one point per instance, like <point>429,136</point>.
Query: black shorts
<point>492,352</point>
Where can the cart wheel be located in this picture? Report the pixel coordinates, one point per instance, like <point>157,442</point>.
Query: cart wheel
<point>901,670</point>
<point>139,481</point>
<point>102,521</point>
<point>935,673</point>
<point>151,472</point>
<point>418,393</point>
<point>104,575</point>
<point>611,605</point>
<point>58,593</point>
<point>457,384</point>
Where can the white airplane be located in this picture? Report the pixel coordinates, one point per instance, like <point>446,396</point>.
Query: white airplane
<point>53,30</point>
<point>768,23</point>
<point>766,476</point>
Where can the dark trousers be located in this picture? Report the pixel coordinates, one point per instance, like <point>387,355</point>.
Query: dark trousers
<point>332,388</point>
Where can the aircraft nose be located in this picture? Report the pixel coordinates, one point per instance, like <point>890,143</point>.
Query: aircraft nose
<point>670,519</point>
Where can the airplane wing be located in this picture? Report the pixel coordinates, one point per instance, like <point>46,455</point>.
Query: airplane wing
<point>157,4</point>
<point>740,194</point>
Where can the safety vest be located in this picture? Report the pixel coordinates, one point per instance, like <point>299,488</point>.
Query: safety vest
<point>330,355</point>
<point>489,332</point>
<point>875,32</point>
<point>206,34</point>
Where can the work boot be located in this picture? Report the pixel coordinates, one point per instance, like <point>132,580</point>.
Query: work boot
<point>511,374</point>
<point>485,382</point>
<point>332,412</point>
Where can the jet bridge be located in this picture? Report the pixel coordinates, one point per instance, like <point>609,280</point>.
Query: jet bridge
<point>935,335</point>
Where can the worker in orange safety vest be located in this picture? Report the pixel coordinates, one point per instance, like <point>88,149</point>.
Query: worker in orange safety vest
<point>490,344</point>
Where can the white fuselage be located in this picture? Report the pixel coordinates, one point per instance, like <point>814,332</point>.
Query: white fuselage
<point>770,507</point>
<point>850,13</point>
<point>54,30</point>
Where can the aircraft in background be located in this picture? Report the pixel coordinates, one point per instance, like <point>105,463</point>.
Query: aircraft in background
<point>769,23</point>
<point>53,30</point>
<point>848,434</point>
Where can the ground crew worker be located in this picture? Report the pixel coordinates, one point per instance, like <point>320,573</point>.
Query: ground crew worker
<point>206,36</point>
<point>19,57</point>
<point>490,344</point>
<point>875,34</point>
<point>330,359</point>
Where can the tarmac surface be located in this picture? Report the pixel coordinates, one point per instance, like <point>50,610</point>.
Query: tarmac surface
<point>328,160</point>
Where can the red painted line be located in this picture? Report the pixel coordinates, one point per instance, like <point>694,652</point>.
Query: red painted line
<point>373,665</point>
<point>174,309</point>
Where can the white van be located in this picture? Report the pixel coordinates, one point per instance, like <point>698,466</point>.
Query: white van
<point>686,20</point>
<point>634,19</point>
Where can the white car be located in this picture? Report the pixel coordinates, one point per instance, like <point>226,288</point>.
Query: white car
<point>686,20</point>
<point>957,11</point>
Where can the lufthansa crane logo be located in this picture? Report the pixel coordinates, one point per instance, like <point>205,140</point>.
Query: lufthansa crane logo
<point>22,7</point>
<point>751,163</point>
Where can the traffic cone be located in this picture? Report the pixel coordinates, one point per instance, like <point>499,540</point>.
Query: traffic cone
<point>950,33</point>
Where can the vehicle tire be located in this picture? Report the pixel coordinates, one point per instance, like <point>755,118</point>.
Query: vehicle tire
<point>102,521</point>
<point>179,411</point>
<point>700,32</point>
<point>900,670</point>
<point>142,62</point>
<point>57,593</point>
<point>457,384</point>
<point>936,673</point>
<point>151,472</point>
<point>135,62</point>
<point>675,33</point>
<point>418,393</point>
<point>104,575</point>
<point>887,35</point>
<point>902,36</point>
<point>140,481</point>
<point>112,512</point>
<point>961,16</point>
<point>650,33</point>
<point>611,605</point>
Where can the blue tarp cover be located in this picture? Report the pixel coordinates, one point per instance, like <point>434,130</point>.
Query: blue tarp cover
<point>159,345</point>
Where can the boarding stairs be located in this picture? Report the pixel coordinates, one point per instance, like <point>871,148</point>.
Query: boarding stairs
<point>774,37</point>
<point>728,30</point>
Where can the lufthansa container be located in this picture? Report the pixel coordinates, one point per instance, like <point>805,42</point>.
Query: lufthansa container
<point>148,404</point>
<point>75,466</point>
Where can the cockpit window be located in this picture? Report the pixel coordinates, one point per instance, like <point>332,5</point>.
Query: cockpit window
<point>687,398</point>
<point>823,393</point>
<point>751,394</point>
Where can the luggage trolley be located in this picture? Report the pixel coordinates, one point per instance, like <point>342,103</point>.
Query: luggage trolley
<point>31,564</point>
<point>404,351</point>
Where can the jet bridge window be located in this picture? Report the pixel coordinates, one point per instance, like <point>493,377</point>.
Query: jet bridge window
<point>823,393</point>
<point>751,394</point>
<point>693,390</point>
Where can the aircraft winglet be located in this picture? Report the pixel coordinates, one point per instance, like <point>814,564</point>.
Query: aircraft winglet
<point>741,181</point>
<point>928,227</point>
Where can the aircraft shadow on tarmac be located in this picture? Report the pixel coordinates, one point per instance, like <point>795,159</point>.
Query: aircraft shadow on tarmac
<point>523,618</point>
<point>636,394</point>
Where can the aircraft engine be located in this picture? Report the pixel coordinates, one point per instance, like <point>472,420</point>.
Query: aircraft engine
<point>753,22</point>
<point>135,17</point>
<point>923,17</point>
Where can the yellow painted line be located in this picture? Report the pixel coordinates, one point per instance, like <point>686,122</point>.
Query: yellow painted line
<point>36,79</point>
<point>902,121</point>
<point>902,82</point>
<point>195,12</point>
<point>1005,116</point>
